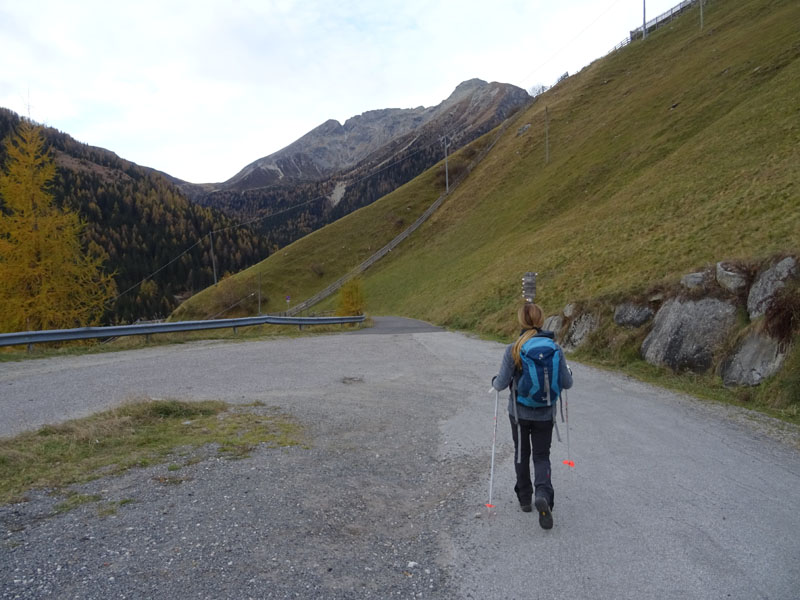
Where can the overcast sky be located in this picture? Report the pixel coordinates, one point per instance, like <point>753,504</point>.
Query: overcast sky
<point>201,88</point>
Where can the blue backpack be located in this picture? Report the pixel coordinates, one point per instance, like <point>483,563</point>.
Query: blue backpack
<point>539,383</point>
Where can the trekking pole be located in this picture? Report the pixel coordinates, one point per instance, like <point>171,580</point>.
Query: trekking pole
<point>489,504</point>
<point>569,462</point>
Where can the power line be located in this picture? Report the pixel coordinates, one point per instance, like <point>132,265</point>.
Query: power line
<point>570,42</point>
<point>157,271</point>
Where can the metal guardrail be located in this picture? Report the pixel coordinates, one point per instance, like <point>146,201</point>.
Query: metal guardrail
<point>655,23</point>
<point>83,333</point>
<point>663,18</point>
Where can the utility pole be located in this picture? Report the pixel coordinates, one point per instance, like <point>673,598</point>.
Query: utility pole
<point>446,174</point>
<point>213,258</point>
<point>701,15</point>
<point>644,19</point>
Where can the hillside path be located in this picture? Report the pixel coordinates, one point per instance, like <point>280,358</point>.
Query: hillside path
<point>669,497</point>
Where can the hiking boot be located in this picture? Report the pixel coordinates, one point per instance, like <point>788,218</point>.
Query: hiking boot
<point>545,516</point>
<point>526,507</point>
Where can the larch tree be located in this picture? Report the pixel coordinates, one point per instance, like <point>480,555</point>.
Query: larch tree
<point>47,279</point>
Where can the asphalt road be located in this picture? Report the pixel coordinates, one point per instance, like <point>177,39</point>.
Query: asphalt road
<point>669,497</point>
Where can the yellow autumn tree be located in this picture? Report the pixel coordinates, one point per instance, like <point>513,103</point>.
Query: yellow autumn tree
<point>351,298</point>
<point>47,281</point>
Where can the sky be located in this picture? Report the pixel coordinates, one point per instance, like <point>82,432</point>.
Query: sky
<point>199,89</point>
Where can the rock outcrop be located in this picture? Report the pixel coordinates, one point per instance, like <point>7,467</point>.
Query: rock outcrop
<point>554,323</point>
<point>686,333</point>
<point>730,278</point>
<point>694,327</point>
<point>767,284</point>
<point>579,331</point>
<point>693,281</point>
<point>755,359</point>
<point>333,147</point>
<point>629,314</point>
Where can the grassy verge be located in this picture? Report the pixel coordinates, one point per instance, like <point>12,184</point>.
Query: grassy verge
<point>136,434</point>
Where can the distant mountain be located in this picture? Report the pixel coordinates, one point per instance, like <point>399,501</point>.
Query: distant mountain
<point>142,221</point>
<point>335,169</point>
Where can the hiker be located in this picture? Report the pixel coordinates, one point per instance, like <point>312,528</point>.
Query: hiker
<point>531,417</point>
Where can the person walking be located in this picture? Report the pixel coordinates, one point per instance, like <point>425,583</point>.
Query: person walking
<point>531,423</point>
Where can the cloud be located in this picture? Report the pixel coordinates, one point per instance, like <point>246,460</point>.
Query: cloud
<point>200,89</point>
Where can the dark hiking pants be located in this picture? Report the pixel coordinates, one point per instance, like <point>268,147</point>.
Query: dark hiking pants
<point>536,439</point>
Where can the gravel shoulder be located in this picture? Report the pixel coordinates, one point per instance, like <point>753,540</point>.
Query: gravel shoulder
<point>386,499</point>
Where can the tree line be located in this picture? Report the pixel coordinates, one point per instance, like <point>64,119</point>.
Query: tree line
<point>130,220</point>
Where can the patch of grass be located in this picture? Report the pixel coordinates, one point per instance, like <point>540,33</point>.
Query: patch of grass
<point>336,249</point>
<point>74,500</point>
<point>107,510</point>
<point>136,434</point>
<point>171,480</point>
<point>782,391</point>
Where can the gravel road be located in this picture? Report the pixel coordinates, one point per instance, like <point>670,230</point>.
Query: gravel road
<point>669,497</point>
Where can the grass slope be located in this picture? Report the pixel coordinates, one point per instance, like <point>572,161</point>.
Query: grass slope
<point>671,154</point>
<point>636,191</point>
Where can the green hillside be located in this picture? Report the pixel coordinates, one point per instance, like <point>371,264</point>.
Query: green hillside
<point>671,154</point>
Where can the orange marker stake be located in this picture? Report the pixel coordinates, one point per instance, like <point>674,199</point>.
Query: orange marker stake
<point>569,463</point>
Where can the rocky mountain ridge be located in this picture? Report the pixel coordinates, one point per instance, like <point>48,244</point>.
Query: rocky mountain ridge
<point>333,147</point>
<point>338,168</point>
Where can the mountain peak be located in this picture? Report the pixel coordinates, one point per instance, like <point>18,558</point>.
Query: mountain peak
<point>466,88</point>
<point>333,146</point>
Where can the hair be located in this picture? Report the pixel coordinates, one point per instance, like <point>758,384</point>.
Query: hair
<point>531,318</point>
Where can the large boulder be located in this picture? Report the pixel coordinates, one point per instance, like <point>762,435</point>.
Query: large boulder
<point>730,277</point>
<point>755,359</point>
<point>628,314</point>
<point>686,333</point>
<point>554,323</point>
<point>693,281</point>
<point>579,331</point>
<point>767,284</point>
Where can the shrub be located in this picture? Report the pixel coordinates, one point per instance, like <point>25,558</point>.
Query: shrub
<point>351,298</point>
